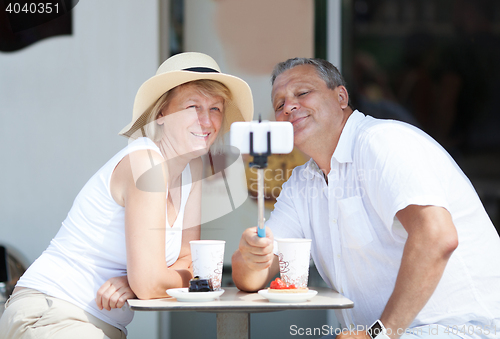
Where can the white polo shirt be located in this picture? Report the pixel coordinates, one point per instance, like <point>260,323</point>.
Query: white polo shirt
<point>378,168</point>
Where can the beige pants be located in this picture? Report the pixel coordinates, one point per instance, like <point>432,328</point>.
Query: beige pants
<point>32,314</point>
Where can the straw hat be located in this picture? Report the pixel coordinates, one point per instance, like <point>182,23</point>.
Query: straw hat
<point>186,67</point>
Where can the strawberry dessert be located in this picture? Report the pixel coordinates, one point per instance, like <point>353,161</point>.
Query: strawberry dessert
<point>279,286</point>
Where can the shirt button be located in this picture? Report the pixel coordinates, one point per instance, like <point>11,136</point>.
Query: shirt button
<point>338,256</point>
<point>334,221</point>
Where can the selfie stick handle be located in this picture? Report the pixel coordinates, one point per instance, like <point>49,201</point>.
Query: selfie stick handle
<point>260,162</point>
<point>261,231</point>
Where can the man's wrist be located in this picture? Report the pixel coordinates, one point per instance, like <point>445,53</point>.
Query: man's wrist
<point>377,331</point>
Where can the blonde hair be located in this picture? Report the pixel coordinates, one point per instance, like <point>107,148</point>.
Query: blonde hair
<point>206,87</point>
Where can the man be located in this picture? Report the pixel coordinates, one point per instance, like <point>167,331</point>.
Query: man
<point>395,224</point>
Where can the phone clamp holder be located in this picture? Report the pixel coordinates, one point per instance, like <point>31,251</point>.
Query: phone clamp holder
<point>260,159</point>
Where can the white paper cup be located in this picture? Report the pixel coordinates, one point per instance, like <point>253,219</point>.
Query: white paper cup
<point>294,257</point>
<point>208,259</point>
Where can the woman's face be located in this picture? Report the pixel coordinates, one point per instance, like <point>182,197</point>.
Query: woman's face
<point>191,120</point>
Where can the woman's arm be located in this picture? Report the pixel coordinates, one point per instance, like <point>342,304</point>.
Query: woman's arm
<point>191,229</point>
<point>145,223</point>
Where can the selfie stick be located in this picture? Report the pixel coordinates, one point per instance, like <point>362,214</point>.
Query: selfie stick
<point>260,162</point>
<point>245,134</point>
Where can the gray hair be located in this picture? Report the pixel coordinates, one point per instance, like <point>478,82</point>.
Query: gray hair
<point>326,71</point>
<point>329,73</point>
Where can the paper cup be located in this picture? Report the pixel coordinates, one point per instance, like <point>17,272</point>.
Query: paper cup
<point>294,257</point>
<point>208,259</point>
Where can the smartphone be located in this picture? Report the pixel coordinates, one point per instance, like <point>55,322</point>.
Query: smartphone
<point>281,136</point>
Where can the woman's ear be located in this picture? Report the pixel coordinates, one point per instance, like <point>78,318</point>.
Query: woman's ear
<point>159,118</point>
<point>343,97</point>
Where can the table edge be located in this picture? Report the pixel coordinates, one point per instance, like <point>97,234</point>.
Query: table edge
<point>269,307</point>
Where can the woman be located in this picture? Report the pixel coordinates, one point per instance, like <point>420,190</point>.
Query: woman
<point>118,240</point>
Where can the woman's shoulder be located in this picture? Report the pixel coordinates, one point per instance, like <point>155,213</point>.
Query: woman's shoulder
<point>142,168</point>
<point>142,144</point>
<point>142,154</point>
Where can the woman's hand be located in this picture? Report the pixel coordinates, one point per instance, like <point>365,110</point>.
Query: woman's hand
<point>114,293</point>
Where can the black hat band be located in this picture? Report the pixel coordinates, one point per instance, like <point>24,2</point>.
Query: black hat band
<point>201,70</point>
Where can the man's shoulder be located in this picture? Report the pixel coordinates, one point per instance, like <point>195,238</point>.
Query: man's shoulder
<point>370,125</point>
<point>378,139</point>
<point>370,129</point>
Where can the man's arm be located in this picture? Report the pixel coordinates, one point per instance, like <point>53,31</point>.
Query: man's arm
<point>432,238</point>
<point>254,263</point>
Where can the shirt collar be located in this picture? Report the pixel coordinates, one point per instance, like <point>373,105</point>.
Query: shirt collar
<point>312,169</point>
<point>343,151</point>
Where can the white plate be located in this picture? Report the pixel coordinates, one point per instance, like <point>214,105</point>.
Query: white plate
<point>288,297</point>
<point>183,294</point>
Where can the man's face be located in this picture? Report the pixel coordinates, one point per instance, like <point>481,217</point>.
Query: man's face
<point>301,97</point>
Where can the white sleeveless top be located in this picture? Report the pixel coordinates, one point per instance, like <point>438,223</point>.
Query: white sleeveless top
<point>90,247</point>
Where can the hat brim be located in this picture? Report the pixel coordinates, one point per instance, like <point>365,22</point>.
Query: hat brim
<point>151,90</point>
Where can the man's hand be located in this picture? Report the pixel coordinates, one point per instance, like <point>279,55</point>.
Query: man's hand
<point>256,252</point>
<point>254,263</point>
<point>114,293</point>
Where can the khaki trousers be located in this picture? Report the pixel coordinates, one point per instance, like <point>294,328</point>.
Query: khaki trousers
<point>31,314</point>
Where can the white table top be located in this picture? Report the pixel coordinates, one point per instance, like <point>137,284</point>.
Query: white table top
<point>234,300</point>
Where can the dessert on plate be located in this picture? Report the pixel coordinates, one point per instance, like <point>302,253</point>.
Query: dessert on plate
<point>200,285</point>
<point>279,286</point>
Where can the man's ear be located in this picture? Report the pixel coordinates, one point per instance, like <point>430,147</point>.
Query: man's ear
<point>343,97</point>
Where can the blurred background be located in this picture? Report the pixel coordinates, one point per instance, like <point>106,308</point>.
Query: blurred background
<point>67,87</point>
